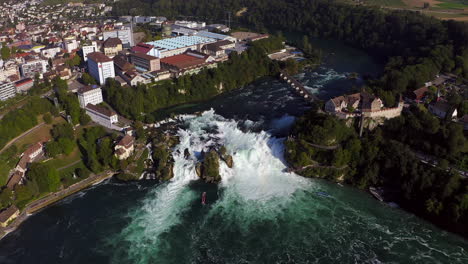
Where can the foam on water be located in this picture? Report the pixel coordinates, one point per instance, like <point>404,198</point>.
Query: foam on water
<point>256,178</point>
<point>264,214</point>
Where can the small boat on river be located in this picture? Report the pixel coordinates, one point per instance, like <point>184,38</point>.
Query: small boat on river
<point>203,198</point>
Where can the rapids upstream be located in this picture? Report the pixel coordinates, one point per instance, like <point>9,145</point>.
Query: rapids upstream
<point>259,213</point>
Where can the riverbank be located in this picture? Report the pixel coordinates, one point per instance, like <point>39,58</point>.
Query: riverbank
<point>52,198</point>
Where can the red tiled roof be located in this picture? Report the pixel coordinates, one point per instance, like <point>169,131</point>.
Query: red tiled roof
<point>98,57</point>
<point>6,214</point>
<point>101,110</point>
<point>15,179</point>
<point>126,141</point>
<point>33,149</point>
<point>22,82</point>
<point>183,61</point>
<point>142,48</point>
<point>87,88</point>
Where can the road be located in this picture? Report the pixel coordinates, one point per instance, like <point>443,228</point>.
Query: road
<point>20,136</point>
<point>432,161</point>
<point>53,198</point>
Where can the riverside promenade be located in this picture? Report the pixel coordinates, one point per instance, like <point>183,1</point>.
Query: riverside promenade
<point>52,198</point>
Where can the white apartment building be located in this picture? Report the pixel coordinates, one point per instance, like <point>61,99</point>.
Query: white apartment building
<point>70,45</point>
<point>7,90</point>
<point>190,24</point>
<point>50,52</point>
<point>100,67</point>
<point>124,33</point>
<point>102,116</point>
<point>90,95</point>
<point>32,67</point>
<point>86,49</point>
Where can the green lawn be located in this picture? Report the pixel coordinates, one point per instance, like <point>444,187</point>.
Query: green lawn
<point>64,160</point>
<point>66,175</point>
<point>452,5</point>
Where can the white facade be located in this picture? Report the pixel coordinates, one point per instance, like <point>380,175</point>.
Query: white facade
<point>190,24</point>
<point>101,70</point>
<point>88,49</point>
<point>30,68</point>
<point>7,90</point>
<point>70,45</point>
<point>50,52</point>
<point>92,96</point>
<point>125,34</point>
<point>103,119</point>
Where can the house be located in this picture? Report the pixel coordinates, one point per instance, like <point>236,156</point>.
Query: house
<point>142,48</point>
<point>219,48</point>
<point>8,215</point>
<point>112,46</point>
<point>418,94</point>
<point>91,94</point>
<point>15,179</point>
<point>441,109</point>
<point>190,62</point>
<point>339,103</point>
<point>361,104</point>
<point>144,62</point>
<point>22,86</point>
<point>125,147</point>
<point>100,67</point>
<point>102,116</point>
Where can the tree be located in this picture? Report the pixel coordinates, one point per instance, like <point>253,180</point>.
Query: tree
<point>64,130</point>
<point>47,118</point>
<point>5,52</point>
<point>67,145</point>
<point>46,177</point>
<point>5,198</point>
<point>53,149</point>
<point>87,79</point>
<point>84,118</point>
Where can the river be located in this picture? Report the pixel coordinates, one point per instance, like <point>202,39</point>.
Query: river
<point>258,214</point>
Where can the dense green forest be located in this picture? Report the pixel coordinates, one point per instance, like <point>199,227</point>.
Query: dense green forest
<point>415,47</point>
<point>323,146</point>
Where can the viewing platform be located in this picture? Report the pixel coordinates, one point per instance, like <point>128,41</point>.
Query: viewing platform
<point>296,85</point>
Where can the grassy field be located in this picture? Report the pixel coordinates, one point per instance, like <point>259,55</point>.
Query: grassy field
<point>390,3</point>
<point>64,160</point>
<point>40,134</point>
<point>67,174</point>
<point>452,5</point>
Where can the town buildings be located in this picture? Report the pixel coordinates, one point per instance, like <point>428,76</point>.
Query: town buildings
<point>145,62</point>
<point>178,45</point>
<point>89,48</point>
<point>112,46</point>
<point>100,67</point>
<point>7,90</point>
<point>33,66</point>
<point>8,215</point>
<point>124,33</point>
<point>91,94</point>
<point>125,147</point>
<point>361,104</point>
<point>191,62</point>
<point>23,86</point>
<point>442,109</point>
<point>102,116</point>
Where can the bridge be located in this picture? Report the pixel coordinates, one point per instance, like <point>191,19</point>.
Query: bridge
<point>308,96</point>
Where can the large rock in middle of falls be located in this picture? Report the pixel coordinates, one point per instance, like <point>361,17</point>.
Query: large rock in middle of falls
<point>208,169</point>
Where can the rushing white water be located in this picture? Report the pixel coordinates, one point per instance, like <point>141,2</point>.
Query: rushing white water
<point>257,178</point>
